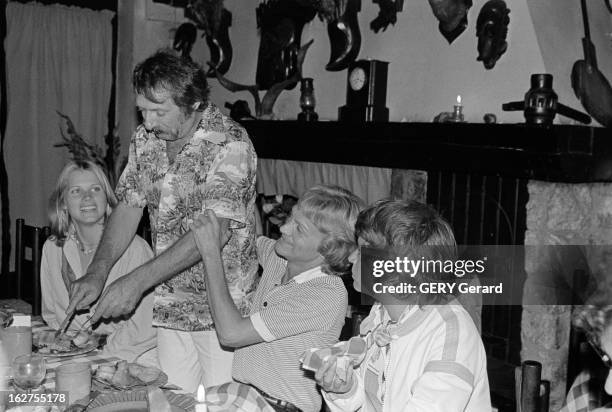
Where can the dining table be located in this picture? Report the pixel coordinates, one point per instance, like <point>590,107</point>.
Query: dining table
<point>20,307</point>
<point>228,397</point>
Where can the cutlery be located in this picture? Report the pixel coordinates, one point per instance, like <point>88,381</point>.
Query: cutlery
<point>83,325</point>
<point>64,324</point>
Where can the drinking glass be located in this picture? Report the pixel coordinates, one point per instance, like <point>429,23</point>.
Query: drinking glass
<point>29,371</point>
<point>74,378</point>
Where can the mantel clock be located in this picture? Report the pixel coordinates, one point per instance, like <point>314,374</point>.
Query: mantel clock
<point>366,92</point>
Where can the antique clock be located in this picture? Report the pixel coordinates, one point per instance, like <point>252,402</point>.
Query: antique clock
<point>366,92</point>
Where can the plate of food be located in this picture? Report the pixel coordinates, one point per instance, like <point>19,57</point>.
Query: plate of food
<point>66,344</point>
<point>136,401</point>
<point>125,376</point>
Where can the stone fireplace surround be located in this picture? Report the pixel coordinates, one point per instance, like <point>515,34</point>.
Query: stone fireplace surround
<point>496,184</point>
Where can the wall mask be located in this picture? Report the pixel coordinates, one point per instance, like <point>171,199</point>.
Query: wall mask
<point>214,20</point>
<point>387,14</point>
<point>492,29</point>
<point>280,24</point>
<point>344,36</point>
<point>184,38</point>
<point>452,15</point>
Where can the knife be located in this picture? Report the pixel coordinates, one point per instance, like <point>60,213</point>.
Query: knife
<point>65,324</point>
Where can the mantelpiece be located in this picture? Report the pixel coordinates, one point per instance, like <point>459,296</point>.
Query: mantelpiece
<point>560,153</point>
<point>479,177</point>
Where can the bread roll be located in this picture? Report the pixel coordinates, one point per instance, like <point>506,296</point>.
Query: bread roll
<point>145,374</point>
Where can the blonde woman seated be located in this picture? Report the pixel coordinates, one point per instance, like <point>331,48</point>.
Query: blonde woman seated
<point>78,208</point>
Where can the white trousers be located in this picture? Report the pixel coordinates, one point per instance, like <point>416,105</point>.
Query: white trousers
<point>191,358</point>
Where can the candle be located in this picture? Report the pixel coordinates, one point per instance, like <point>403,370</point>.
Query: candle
<point>201,398</point>
<point>458,110</point>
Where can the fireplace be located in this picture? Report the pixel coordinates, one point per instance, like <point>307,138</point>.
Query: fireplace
<point>493,183</point>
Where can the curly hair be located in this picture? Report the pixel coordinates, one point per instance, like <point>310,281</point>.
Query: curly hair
<point>410,229</point>
<point>333,210</point>
<point>59,218</point>
<point>181,77</point>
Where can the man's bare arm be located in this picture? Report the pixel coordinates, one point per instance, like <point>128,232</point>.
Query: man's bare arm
<point>117,236</point>
<point>180,256</point>
<point>122,296</point>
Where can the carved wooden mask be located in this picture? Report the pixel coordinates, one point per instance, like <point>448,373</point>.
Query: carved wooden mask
<point>492,29</point>
<point>280,23</point>
<point>452,15</point>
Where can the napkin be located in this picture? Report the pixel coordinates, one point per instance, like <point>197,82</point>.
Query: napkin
<point>348,352</point>
<point>235,397</point>
<point>22,320</point>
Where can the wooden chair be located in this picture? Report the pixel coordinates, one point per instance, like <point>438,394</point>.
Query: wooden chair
<point>29,242</point>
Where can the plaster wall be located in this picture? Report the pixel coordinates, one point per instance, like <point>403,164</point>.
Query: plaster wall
<point>425,72</point>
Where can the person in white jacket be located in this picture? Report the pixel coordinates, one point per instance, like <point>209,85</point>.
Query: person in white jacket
<point>78,208</point>
<point>423,351</point>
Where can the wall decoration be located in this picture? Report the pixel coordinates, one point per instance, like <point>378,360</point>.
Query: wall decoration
<point>452,15</point>
<point>387,14</point>
<point>263,107</point>
<point>184,38</point>
<point>214,20</point>
<point>491,30</point>
<point>280,24</point>
<point>344,36</point>
<point>541,103</point>
<point>590,85</point>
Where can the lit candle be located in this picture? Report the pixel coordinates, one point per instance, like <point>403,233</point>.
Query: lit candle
<point>201,398</point>
<point>458,110</point>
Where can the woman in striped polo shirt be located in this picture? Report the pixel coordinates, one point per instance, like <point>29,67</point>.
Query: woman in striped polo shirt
<point>299,303</point>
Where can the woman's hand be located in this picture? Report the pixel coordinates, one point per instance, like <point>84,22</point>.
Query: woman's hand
<point>209,236</point>
<point>329,380</point>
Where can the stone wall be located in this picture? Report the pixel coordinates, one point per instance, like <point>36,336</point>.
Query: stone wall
<point>562,214</point>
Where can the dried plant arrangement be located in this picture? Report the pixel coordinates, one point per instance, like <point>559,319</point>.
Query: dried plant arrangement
<point>80,149</point>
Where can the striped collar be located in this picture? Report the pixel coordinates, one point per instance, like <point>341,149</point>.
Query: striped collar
<point>408,321</point>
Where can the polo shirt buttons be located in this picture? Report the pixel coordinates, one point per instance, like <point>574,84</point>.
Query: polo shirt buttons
<point>265,304</point>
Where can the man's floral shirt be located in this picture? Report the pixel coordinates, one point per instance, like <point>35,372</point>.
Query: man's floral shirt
<point>214,170</point>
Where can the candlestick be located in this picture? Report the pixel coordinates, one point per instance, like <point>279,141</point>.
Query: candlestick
<point>458,110</point>
<point>201,398</point>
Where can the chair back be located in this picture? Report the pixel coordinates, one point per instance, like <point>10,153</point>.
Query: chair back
<point>29,241</point>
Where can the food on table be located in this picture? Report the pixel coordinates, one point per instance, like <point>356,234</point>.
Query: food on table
<point>122,376</point>
<point>48,343</point>
<point>82,338</point>
<point>5,319</point>
<point>145,374</point>
<point>106,372</point>
<point>126,375</point>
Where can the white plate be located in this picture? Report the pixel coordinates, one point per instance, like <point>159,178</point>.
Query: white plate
<point>94,342</point>
<point>136,401</point>
<point>103,385</point>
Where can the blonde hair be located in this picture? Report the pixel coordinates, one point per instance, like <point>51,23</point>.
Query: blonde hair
<point>333,210</point>
<point>59,218</point>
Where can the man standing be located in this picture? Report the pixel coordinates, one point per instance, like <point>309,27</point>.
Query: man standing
<point>185,157</point>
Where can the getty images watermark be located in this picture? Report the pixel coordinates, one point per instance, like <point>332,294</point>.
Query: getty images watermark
<point>495,274</point>
<point>429,276</point>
